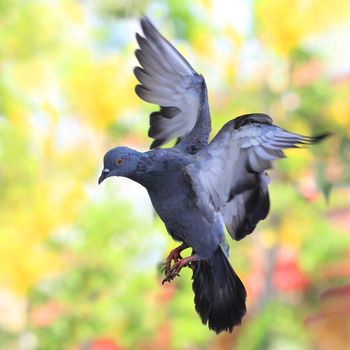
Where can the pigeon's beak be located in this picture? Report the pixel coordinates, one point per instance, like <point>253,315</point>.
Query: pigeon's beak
<point>104,175</point>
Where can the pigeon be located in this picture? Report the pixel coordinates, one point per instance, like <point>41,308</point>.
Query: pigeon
<point>199,187</point>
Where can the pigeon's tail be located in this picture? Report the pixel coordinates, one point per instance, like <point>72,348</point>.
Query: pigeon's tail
<point>219,294</point>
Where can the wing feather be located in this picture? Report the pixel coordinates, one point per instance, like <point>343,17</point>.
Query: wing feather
<point>168,80</point>
<point>232,169</point>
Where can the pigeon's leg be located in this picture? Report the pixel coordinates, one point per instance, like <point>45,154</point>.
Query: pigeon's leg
<point>178,266</point>
<point>174,255</point>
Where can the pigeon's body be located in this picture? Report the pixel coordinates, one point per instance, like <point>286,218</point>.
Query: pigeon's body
<point>163,173</point>
<point>195,187</point>
<point>183,220</point>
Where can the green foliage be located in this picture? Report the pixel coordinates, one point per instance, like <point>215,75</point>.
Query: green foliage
<point>277,325</point>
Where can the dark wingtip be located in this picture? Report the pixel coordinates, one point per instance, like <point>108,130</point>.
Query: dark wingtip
<point>137,72</point>
<point>138,54</point>
<point>147,25</point>
<point>321,137</point>
<point>139,39</point>
<point>144,19</point>
<point>140,91</point>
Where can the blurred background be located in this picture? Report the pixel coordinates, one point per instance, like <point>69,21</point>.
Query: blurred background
<point>80,263</point>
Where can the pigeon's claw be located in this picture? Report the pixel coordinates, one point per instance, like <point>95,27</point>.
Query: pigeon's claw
<point>174,255</point>
<point>169,278</point>
<point>174,271</point>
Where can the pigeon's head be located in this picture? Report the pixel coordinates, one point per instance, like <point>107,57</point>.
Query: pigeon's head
<point>119,161</point>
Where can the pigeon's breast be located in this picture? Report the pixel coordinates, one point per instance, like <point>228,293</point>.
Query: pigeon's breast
<point>174,202</point>
<point>171,193</point>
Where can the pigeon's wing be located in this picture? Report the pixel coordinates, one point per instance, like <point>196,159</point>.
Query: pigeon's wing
<point>169,81</point>
<point>231,170</point>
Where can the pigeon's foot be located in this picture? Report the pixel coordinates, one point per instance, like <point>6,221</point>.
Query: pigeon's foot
<point>178,265</point>
<point>175,255</point>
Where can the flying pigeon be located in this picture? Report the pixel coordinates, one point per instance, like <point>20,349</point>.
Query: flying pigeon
<point>199,188</point>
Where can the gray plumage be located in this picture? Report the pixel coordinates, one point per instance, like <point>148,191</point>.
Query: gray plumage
<point>168,80</point>
<point>198,188</point>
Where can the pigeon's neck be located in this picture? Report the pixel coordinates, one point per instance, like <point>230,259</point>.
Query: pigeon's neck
<point>131,172</point>
<point>148,168</point>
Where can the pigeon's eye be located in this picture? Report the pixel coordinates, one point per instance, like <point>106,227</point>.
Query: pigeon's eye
<point>119,161</point>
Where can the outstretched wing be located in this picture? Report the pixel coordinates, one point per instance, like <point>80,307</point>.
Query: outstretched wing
<point>168,80</point>
<point>231,169</point>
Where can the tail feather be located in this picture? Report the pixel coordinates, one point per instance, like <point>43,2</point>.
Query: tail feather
<point>219,293</point>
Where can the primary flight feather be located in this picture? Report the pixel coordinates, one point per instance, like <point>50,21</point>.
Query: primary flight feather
<point>198,188</point>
